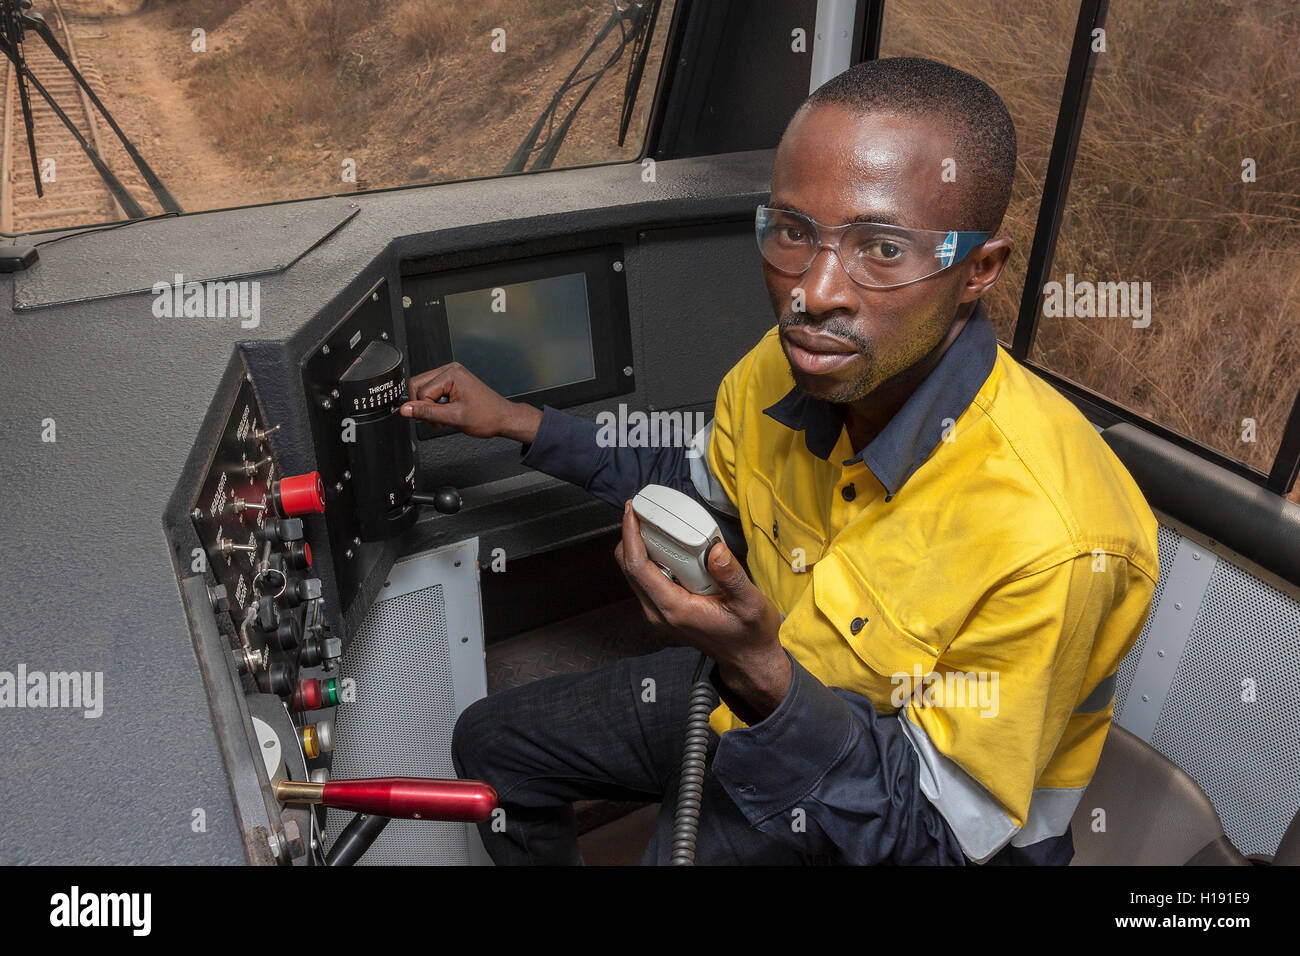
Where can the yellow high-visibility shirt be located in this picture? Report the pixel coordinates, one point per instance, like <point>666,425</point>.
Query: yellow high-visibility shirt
<point>984,563</point>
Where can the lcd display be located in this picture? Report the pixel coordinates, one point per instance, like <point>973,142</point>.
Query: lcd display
<point>524,337</point>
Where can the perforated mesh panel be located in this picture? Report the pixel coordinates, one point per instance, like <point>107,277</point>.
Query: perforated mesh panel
<point>1244,755</point>
<point>400,724</point>
<point>1167,544</point>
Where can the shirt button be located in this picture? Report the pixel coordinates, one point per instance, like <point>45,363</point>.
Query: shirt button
<point>857,625</point>
<point>775,533</point>
<point>848,492</point>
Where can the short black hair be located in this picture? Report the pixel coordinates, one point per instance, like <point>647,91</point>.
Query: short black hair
<point>984,136</point>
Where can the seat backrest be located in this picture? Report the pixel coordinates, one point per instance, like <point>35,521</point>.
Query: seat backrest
<point>1288,851</point>
<point>1142,809</point>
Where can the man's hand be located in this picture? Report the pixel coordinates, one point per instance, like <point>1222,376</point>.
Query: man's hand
<point>471,406</point>
<point>738,628</point>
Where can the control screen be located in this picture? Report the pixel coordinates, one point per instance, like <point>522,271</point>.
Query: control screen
<point>543,329</point>
<point>526,336</point>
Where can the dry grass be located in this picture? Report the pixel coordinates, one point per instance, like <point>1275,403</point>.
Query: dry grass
<point>423,27</point>
<point>1184,92</point>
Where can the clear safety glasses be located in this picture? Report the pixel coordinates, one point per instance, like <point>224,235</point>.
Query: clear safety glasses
<point>875,256</point>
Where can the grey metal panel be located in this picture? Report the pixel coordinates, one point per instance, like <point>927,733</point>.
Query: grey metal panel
<point>691,332</point>
<point>1167,544</point>
<point>416,663</point>
<point>1170,624</point>
<point>86,576</point>
<point>1231,717</point>
<point>177,246</point>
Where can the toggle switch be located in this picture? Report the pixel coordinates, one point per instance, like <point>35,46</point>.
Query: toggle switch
<point>228,547</point>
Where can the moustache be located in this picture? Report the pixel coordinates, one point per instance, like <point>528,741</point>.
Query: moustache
<point>833,327</point>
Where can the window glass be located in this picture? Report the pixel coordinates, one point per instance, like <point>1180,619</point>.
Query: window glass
<point>1177,273</point>
<point>237,102</point>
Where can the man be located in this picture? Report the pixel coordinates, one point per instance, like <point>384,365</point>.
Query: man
<point>947,562</point>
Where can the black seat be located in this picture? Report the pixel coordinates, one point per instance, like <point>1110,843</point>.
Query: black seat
<point>1154,813</point>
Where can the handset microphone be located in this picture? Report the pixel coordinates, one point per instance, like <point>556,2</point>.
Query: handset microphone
<point>679,534</point>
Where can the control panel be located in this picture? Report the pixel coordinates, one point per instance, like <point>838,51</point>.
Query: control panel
<point>249,519</point>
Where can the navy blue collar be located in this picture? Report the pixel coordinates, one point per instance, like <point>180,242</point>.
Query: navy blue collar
<point>917,428</point>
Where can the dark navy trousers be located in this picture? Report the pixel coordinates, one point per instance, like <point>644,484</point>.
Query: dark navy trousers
<point>613,733</point>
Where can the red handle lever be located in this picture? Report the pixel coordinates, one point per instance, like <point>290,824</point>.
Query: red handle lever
<point>413,798</point>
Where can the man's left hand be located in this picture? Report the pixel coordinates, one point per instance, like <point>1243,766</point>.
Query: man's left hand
<point>737,628</point>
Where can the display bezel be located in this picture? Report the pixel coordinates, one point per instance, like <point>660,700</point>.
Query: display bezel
<point>428,333</point>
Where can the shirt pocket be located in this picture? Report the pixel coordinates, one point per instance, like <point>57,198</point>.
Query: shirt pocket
<point>792,546</point>
<point>862,620</point>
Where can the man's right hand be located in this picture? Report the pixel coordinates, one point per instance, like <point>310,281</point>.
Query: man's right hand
<point>471,406</point>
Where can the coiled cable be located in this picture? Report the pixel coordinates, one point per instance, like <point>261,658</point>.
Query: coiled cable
<point>690,790</point>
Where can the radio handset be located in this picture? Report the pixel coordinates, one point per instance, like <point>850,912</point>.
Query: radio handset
<point>679,534</point>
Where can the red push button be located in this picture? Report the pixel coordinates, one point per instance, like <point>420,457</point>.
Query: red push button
<point>301,495</point>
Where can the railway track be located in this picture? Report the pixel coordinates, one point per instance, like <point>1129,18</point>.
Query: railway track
<point>75,195</point>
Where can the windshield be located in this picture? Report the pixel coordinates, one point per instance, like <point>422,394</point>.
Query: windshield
<point>239,102</point>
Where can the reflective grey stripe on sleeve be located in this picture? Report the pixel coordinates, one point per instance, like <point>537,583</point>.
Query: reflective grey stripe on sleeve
<point>1050,812</point>
<point>978,821</point>
<point>703,478</point>
<point>1100,698</point>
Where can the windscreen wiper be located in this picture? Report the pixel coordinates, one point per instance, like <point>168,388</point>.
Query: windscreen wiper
<point>635,20</point>
<point>14,22</point>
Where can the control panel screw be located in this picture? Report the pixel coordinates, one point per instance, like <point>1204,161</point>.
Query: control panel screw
<point>326,404</point>
<point>406,302</point>
<point>618,267</point>
<point>627,370</point>
<point>338,486</point>
<point>196,514</point>
<point>347,476</point>
<point>357,542</point>
<point>374,297</point>
<point>384,336</point>
<point>324,350</point>
<point>334,393</point>
<point>347,553</point>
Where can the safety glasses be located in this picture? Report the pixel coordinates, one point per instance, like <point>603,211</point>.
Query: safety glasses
<point>875,256</point>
